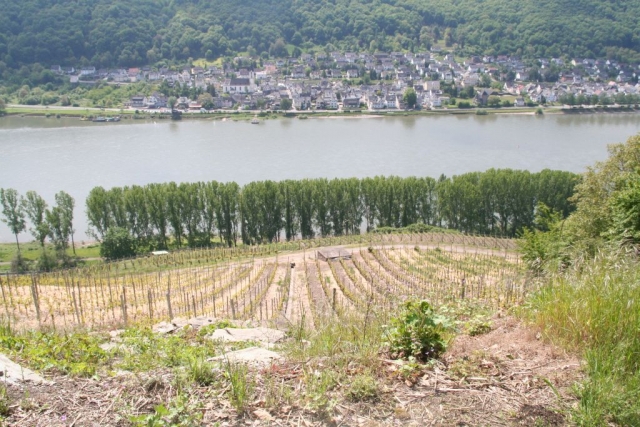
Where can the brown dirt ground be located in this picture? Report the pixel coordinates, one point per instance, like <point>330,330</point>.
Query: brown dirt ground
<point>507,377</point>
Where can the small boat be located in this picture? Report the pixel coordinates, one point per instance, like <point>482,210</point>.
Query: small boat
<point>99,120</point>
<point>255,121</point>
<point>113,119</point>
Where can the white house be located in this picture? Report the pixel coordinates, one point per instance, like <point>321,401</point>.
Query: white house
<point>376,103</point>
<point>88,71</point>
<point>238,86</point>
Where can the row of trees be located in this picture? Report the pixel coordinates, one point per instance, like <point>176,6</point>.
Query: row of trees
<point>55,223</point>
<point>498,202</point>
<point>603,99</point>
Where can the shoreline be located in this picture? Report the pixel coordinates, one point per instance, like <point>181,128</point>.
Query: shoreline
<point>79,113</point>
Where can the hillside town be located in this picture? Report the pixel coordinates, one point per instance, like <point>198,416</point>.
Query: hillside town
<point>353,81</point>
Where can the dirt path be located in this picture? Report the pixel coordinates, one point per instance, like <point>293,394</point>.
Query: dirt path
<point>299,305</point>
<point>272,297</point>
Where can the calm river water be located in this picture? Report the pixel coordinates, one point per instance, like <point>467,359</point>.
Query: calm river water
<point>49,155</point>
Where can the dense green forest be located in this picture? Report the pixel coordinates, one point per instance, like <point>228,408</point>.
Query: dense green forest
<point>123,33</point>
<point>500,202</point>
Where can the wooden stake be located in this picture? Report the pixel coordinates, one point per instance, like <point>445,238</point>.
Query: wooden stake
<point>36,299</point>
<point>123,305</point>
<point>169,305</point>
<point>150,299</point>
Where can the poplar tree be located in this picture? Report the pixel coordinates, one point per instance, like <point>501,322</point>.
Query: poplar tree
<point>65,203</point>
<point>35,208</point>
<point>13,212</point>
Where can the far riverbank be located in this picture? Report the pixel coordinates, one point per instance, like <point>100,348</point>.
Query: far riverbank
<point>130,114</point>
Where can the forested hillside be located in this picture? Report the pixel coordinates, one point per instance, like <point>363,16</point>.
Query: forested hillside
<point>122,33</point>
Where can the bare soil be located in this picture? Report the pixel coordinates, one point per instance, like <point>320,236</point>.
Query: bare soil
<point>507,377</point>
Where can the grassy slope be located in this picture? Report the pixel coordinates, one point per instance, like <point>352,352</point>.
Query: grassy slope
<point>594,309</point>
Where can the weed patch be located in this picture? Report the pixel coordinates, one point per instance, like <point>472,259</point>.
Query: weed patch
<point>77,353</point>
<point>241,384</point>
<point>363,387</point>
<point>417,332</point>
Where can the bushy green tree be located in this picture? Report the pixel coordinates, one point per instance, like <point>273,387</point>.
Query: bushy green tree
<point>410,98</point>
<point>13,212</point>
<point>117,244</point>
<point>603,189</point>
<point>285,104</point>
<point>625,211</point>
<point>35,208</point>
<point>60,222</point>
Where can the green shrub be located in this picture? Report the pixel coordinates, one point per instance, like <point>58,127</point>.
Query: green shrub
<point>19,264</point>
<point>362,388</point>
<point>46,262</point>
<point>417,332</point>
<point>118,243</point>
<point>478,326</point>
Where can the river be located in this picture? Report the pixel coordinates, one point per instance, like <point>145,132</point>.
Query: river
<point>48,155</point>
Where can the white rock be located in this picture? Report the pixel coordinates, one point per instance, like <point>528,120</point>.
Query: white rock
<point>15,374</point>
<point>164,328</point>
<point>251,355</point>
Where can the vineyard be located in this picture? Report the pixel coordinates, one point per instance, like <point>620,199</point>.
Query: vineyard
<point>277,284</point>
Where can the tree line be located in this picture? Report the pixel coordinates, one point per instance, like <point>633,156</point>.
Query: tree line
<point>498,201</point>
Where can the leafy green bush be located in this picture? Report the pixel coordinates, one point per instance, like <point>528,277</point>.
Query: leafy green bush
<point>478,326</point>
<point>19,264</point>
<point>181,412</point>
<point>46,262</point>
<point>118,243</point>
<point>417,332</point>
